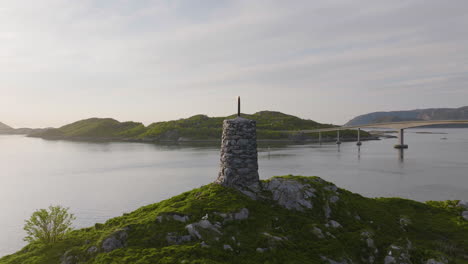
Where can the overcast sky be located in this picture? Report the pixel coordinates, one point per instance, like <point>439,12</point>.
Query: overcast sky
<point>147,61</point>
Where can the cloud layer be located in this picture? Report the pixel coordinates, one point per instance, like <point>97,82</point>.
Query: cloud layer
<point>63,60</point>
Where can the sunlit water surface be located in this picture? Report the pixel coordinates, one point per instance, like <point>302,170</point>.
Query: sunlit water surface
<point>102,180</point>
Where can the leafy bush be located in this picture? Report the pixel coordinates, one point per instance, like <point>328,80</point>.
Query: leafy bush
<point>48,226</point>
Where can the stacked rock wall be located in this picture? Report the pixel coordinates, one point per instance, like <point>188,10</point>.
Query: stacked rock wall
<point>239,162</point>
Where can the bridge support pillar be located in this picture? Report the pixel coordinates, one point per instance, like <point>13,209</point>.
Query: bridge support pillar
<point>401,139</point>
<point>359,143</point>
<point>338,137</point>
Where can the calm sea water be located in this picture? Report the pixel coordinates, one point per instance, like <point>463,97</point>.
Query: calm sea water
<point>102,180</point>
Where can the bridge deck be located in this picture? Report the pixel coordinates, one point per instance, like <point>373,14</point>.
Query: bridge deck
<point>392,125</point>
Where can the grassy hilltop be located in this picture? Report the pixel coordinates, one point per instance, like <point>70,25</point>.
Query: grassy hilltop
<point>270,126</point>
<point>294,220</point>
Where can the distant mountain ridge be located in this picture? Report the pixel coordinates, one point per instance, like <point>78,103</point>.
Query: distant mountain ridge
<point>4,128</point>
<point>8,130</point>
<point>460,113</point>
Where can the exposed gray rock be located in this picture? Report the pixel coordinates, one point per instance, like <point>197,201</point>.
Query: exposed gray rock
<point>92,250</point>
<point>389,260</point>
<point>114,241</point>
<point>227,247</point>
<point>262,250</point>
<point>242,214</point>
<point>370,243</point>
<point>399,254</point>
<point>174,239</point>
<point>404,222</point>
<point>433,261</point>
<point>332,188</point>
<point>327,210</point>
<point>239,161</point>
<point>275,238</point>
<point>181,218</point>
<point>318,232</point>
<point>366,234</point>
<point>68,258</point>
<point>203,244</point>
<point>465,215</point>
<point>334,224</point>
<point>463,204</point>
<point>334,199</point>
<point>194,228</point>
<point>176,217</point>
<point>290,194</point>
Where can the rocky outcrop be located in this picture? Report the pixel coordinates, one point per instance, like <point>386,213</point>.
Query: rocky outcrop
<point>398,254</point>
<point>174,239</point>
<point>172,217</point>
<point>290,194</point>
<point>116,240</point>
<point>204,226</point>
<point>242,214</point>
<point>464,204</point>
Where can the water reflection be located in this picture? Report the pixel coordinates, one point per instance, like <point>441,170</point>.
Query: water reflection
<point>401,155</point>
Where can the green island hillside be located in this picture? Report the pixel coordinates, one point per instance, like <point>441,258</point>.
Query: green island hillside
<point>270,126</point>
<point>291,219</point>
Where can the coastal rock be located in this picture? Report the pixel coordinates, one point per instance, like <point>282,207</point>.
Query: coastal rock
<point>68,258</point>
<point>205,226</point>
<point>399,254</point>
<point>115,241</point>
<point>176,217</point>
<point>242,214</point>
<point>290,194</point>
<point>92,250</point>
<point>433,261</point>
<point>203,244</point>
<point>389,260</point>
<point>465,215</point>
<point>227,247</point>
<point>327,210</point>
<point>334,224</point>
<point>334,199</point>
<point>463,204</point>
<point>174,239</point>
<point>318,232</point>
<point>261,250</point>
<point>274,238</point>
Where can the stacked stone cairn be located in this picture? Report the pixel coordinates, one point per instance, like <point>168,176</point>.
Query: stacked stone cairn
<point>239,161</point>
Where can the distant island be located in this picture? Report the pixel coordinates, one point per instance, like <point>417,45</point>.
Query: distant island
<point>413,115</point>
<point>271,126</point>
<point>8,130</point>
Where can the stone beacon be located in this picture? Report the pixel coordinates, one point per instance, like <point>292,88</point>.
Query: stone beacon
<point>239,161</point>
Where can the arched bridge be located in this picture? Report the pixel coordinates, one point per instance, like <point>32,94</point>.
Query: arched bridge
<point>399,126</point>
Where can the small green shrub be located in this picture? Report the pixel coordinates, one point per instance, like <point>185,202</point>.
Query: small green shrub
<point>48,226</point>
